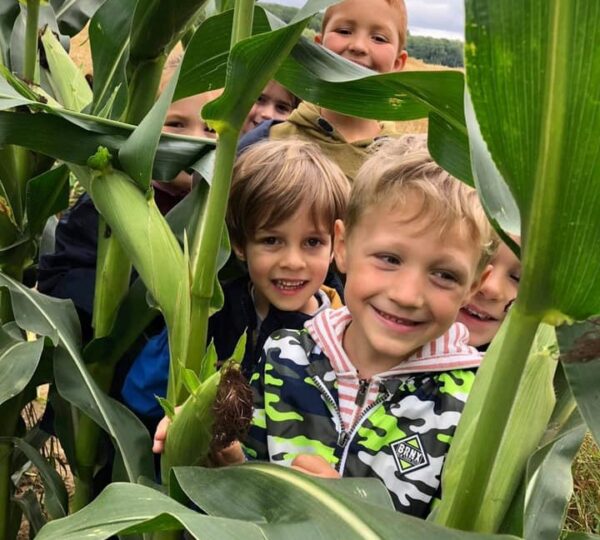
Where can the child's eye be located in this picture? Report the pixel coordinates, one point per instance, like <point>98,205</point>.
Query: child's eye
<point>343,31</point>
<point>283,108</point>
<point>389,259</point>
<point>379,38</point>
<point>516,278</point>
<point>261,99</point>
<point>314,242</point>
<point>446,278</point>
<point>174,124</point>
<point>269,240</point>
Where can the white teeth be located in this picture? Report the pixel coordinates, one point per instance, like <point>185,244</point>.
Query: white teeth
<point>284,284</point>
<point>397,320</point>
<point>477,314</point>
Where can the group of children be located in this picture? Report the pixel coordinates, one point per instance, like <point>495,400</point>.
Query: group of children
<point>370,380</point>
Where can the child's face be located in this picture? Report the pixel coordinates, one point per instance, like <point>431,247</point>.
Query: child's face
<point>288,263</point>
<point>275,103</point>
<point>365,32</point>
<point>486,309</point>
<point>405,283</point>
<point>183,118</point>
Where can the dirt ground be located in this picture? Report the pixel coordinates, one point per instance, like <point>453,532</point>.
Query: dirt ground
<point>52,450</point>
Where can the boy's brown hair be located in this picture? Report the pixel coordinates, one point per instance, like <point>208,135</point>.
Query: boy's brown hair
<point>402,20</point>
<point>273,179</point>
<point>388,177</point>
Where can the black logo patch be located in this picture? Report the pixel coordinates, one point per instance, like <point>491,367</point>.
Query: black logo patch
<point>409,454</point>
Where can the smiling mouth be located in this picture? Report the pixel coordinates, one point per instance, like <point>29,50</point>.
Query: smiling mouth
<point>475,313</point>
<point>289,284</point>
<point>396,320</point>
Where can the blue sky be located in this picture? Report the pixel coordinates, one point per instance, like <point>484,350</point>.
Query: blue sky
<point>437,18</point>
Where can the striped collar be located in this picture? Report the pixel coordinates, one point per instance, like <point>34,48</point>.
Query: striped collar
<point>449,351</point>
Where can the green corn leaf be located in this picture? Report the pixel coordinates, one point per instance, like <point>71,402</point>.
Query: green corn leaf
<point>9,11</point>
<point>156,27</point>
<point>57,320</point>
<point>542,137</point>
<point>109,41</point>
<point>495,195</point>
<point>581,363</point>
<point>69,85</point>
<point>550,484</point>
<point>191,381</point>
<point>135,509</point>
<point>72,15</point>
<point>47,194</point>
<point>296,505</point>
<point>32,509</point>
<point>167,407</point>
<point>18,361</point>
<point>55,492</point>
<point>240,348</point>
<point>318,76</point>
<point>209,363</point>
<point>82,135</point>
<point>137,154</point>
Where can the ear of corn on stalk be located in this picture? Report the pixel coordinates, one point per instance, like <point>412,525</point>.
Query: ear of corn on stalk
<point>216,413</point>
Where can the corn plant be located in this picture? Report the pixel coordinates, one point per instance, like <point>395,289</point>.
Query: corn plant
<point>115,160</point>
<point>115,148</point>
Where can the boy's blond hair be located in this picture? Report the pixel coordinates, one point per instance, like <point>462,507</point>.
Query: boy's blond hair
<point>402,20</point>
<point>273,179</point>
<point>388,177</point>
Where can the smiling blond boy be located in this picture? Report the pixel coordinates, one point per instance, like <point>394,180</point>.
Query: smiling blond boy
<point>376,389</point>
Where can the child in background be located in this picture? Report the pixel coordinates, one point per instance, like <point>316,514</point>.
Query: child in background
<point>284,200</point>
<point>377,388</point>
<point>488,307</point>
<point>371,33</point>
<point>70,272</point>
<point>274,103</point>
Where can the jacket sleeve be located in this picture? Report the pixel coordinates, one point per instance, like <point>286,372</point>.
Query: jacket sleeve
<point>70,272</point>
<point>255,446</point>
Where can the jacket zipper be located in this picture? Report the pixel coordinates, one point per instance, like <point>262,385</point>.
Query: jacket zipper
<point>357,426</point>
<point>342,439</point>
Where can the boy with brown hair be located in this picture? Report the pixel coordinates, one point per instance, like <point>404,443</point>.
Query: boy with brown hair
<point>371,33</point>
<point>284,200</point>
<point>377,388</point>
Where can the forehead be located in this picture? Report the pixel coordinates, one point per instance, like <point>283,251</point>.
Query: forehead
<point>304,220</point>
<point>395,226</point>
<point>378,13</point>
<point>276,92</point>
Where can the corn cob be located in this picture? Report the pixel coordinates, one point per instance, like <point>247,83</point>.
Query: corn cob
<point>217,413</point>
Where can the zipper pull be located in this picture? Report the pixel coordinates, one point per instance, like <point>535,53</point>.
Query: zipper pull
<point>361,395</point>
<point>342,438</point>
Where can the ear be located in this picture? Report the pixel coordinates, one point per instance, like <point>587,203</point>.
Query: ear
<point>400,61</point>
<point>319,39</point>
<point>239,252</point>
<point>339,245</point>
<point>477,284</point>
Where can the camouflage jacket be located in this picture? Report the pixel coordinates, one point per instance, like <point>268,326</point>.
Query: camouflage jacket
<point>402,438</point>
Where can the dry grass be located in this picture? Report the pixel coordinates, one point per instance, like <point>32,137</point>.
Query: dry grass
<point>584,509</point>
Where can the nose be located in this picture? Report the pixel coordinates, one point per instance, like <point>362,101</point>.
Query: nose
<point>358,43</point>
<point>292,258</point>
<point>407,289</point>
<point>267,111</point>
<point>492,288</point>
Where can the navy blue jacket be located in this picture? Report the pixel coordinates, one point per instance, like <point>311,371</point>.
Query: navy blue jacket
<point>149,372</point>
